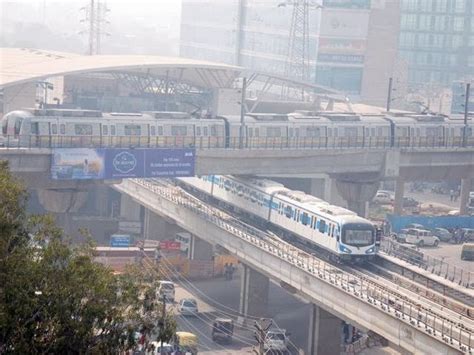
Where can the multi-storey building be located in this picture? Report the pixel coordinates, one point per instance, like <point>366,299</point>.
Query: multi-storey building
<point>437,40</point>
<point>344,51</point>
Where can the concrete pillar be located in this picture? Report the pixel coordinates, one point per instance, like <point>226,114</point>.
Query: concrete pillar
<point>129,209</point>
<point>253,292</point>
<point>399,192</point>
<point>158,228</point>
<point>200,249</point>
<point>357,194</point>
<point>466,185</point>
<point>62,200</point>
<point>324,332</point>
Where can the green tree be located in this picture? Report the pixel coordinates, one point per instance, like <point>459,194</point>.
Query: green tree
<point>55,299</point>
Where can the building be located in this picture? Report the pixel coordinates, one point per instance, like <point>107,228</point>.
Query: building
<point>345,50</point>
<point>437,41</point>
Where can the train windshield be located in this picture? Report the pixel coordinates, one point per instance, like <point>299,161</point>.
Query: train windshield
<point>358,236</point>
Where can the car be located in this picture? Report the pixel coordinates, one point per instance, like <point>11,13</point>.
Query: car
<point>188,307</point>
<point>276,341</point>
<point>154,348</point>
<point>443,234</point>
<point>415,226</point>
<point>467,252</point>
<point>468,234</point>
<point>383,197</point>
<point>165,290</point>
<point>421,237</point>
<point>410,202</point>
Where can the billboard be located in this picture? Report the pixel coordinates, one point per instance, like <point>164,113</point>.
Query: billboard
<point>116,163</point>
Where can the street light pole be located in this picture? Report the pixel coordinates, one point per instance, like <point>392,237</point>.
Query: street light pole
<point>242,113</point>
<point>389,95</point>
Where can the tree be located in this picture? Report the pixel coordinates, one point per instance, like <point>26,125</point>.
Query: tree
<point>54,298</point>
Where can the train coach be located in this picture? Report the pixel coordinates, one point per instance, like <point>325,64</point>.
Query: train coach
<point>300,129</point>
<point>336,231</point>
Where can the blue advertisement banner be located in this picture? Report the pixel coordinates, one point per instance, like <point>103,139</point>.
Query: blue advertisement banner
<point>115,163</point>
<point>120,240</point>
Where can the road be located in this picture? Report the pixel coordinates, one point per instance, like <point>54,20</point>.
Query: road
<point>451,254</point>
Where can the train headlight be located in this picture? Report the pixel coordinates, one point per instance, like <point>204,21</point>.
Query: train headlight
<point>370,250</point>
<point>344,249</point>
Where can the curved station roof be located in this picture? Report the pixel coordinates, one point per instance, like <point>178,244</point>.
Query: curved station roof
<point>20,65</point>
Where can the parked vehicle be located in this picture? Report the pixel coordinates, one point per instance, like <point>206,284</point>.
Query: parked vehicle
<point>184,238</point>
<point>188,307</point>
<point>415,225</point>
<point>165,289</point>
<point>222,330</point>
<point>383,197</point>
<point>276,341</point>
<point>410,202</point>
<point>443,234</point>
<point>467,252</point>
<point>468,234</point>
<point>421,237</point>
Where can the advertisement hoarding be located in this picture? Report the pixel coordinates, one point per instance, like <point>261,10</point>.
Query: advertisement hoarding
<point>114,163</point>
<point>120,240</point>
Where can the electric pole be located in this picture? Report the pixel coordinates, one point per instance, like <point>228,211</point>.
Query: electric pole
<point>95,18</point>
<point>261,327</point>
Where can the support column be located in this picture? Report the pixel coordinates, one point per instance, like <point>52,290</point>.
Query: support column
<point>129,209</point>
<point>156,227</point>
<point>466,185</point>
<point>200,249</point>
<point>253,292</point>
<point>399,192</point>
<point>324,332</point>
<point>357,194</point>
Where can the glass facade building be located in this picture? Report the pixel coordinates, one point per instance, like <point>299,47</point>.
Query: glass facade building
<point>437,40</point>
<point>254,34</point>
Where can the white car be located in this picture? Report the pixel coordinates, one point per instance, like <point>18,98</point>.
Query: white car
<point>421,237</point>
<point>166,290</point>
<point>276,341</point>
<point>384,197</point>
<point>188,307</point>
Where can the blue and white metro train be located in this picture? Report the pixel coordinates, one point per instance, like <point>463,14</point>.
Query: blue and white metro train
<point>346,236</point>
<point>62,127</point>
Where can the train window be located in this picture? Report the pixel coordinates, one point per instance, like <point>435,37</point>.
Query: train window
<point>83,129</point>
<point>273,132</point>
<point>305,220</point>
<point>198,131</point>
<point>35,128</point>
<point>153,130</point>
<point>322,226</point>
<point>18,123</point>
<point>288,211</point>
<point>105,130</point>
<point>214,131</point>
<point>179,130</point>
<point>297,132</point>
<point>257,134</point>
<point>250,132</point>
<point>432,131</point>
<point>160,130</point>
<point>313,132</point>
<point>62,128</point>
<point>112,130</point>
<point>54,128</point>
<point>133,130</point>
<point>350,131</point>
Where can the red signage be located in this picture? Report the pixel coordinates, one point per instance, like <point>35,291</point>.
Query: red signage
<point>170,245</point>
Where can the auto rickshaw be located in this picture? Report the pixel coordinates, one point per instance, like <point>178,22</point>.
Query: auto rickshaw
<point>187,342</point>
<point>222,330</point>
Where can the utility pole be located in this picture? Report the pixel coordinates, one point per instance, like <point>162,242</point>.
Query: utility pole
<point>389,94</point>
<point>95,17</point>
<point>161,323</point>
<point>261,327</point>
<point>466,114</point>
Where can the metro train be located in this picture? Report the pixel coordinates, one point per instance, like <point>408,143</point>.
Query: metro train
<point>55,127</point>
<point>338,232</point>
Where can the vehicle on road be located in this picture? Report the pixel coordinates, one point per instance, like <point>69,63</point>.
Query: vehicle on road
<point>222,330</point>
<point>184,238</point>
<point>410,202</point>
<point>166,289</point>
<point>470,203</point>
<point>468,234</point>
<point>187,342</point>
<point>443,234</point>
<point>383,197</point>
<point>467,252</point>
<point>276,341</point>
<point>188,307</point>
<point>415,225</point>
<point>421,237</point>
<point>156,349</point>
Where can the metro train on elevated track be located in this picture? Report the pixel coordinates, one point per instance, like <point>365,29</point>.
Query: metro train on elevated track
<point>333,230</point>
<point>301,129</point>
